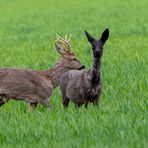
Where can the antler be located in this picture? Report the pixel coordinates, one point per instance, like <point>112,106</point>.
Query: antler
<point>65,41</point>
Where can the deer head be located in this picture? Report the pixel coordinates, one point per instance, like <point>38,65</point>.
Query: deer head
<point>97,45</point>
<point>68,59</point>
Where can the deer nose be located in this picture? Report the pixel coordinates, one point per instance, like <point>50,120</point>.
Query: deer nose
<point>82,67</point>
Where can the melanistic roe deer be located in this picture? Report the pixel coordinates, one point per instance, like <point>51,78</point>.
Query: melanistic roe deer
<point>82,87</point>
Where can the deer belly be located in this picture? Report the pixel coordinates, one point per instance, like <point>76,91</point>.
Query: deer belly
<point>75,97</point>
<point>78,101</point>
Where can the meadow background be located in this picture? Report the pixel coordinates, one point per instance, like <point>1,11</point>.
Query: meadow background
<point>27,34</point>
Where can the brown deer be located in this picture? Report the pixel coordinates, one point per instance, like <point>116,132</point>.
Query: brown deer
<point>36,86</point>
<point>82,87</point>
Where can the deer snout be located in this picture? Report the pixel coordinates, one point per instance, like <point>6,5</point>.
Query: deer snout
<point>82,67</point>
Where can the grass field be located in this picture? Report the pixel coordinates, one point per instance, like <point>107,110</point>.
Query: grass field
<point>27,33</point>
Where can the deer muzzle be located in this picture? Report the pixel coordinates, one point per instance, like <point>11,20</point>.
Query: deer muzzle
<point>82,67</point>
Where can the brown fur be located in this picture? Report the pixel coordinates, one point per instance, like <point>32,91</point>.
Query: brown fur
<point>35,86</point>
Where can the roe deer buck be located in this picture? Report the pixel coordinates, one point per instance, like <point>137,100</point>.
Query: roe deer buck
<point>82,87</point>
<point>36,86</point>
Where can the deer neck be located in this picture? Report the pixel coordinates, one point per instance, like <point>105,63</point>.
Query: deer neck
<point>54,74</point>
<point>96,70</point>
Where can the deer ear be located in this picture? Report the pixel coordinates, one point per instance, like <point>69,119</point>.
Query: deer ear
<point>59,48</point>
<point>89,37</point>
<point>105,35</point>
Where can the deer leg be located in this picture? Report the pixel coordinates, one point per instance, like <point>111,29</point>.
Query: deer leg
<point>77,105</point>
<point>65,99</point>
<point>32,106</point>
<point>65,102</point>
<point>86,104</point>
<point>96,100</point>
<point>3,101</point>
<point>96,103</point>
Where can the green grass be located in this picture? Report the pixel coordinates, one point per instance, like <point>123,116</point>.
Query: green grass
<point>27,33</point>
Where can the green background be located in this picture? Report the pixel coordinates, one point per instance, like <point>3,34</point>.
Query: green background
<point>27,35</point>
